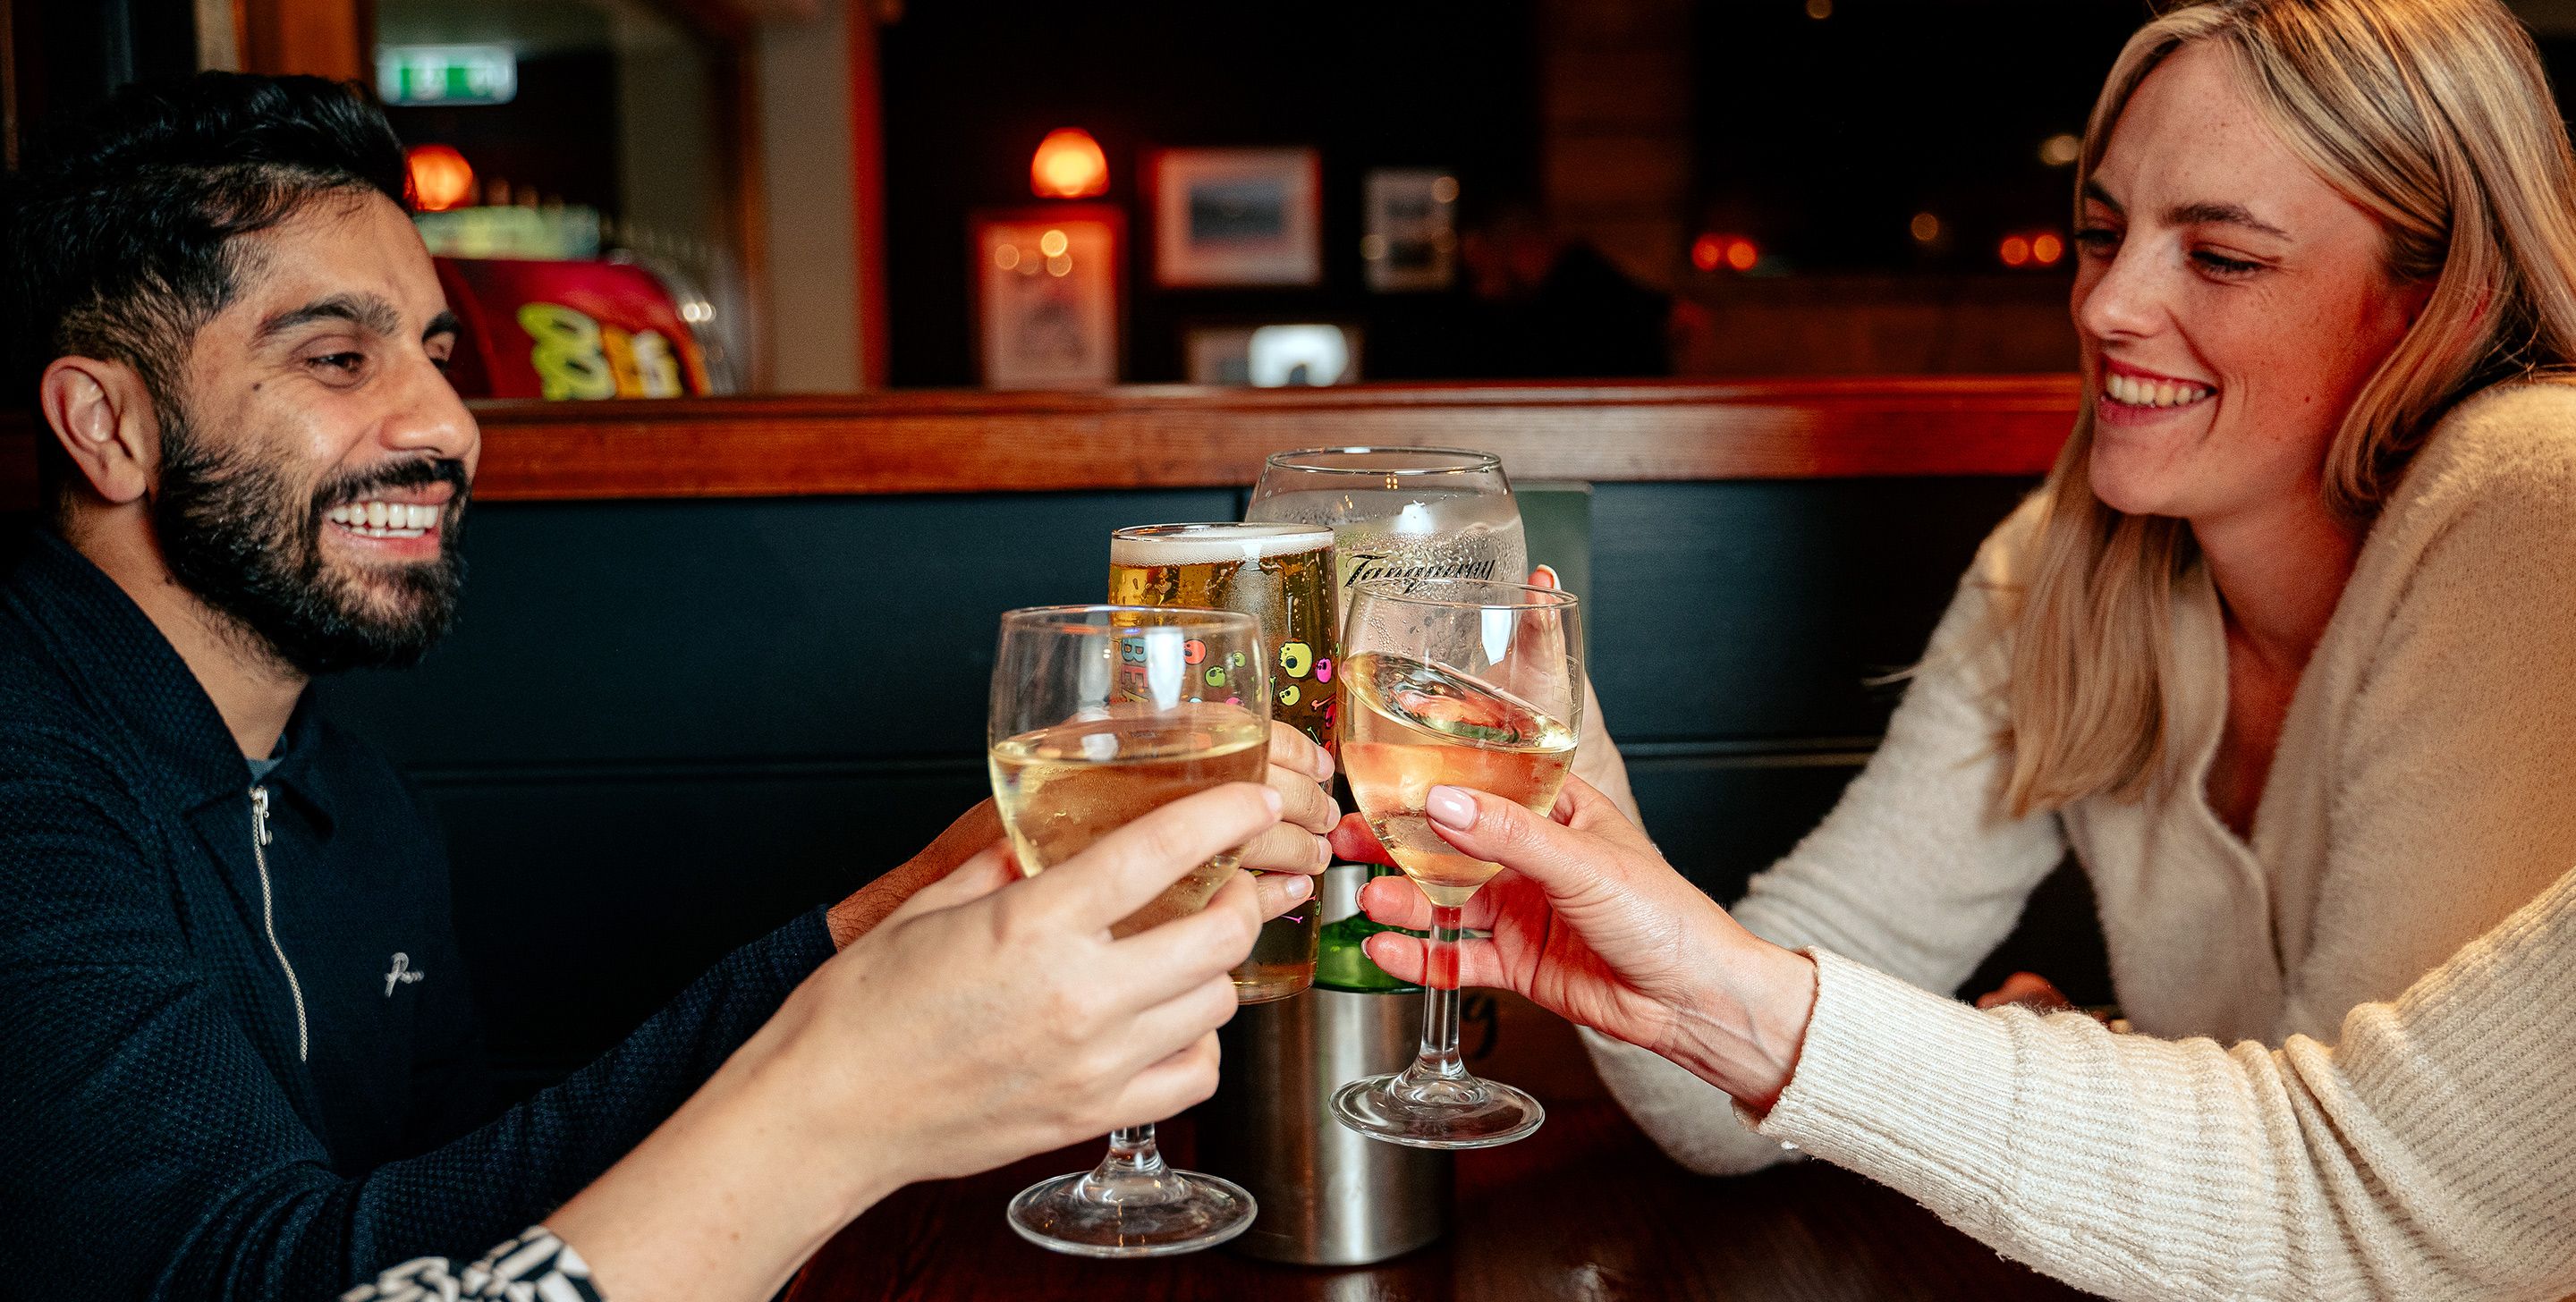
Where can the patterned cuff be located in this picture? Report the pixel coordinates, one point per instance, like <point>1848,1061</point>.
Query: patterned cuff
<point>534,1267</point>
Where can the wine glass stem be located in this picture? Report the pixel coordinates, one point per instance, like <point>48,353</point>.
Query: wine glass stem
<point>1439,1056</point>
<point>1131,1154</point>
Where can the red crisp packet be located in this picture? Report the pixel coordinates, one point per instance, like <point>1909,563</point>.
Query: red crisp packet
<point>560,330</point>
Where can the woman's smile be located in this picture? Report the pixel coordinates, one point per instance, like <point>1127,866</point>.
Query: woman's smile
<point>2134,395</point>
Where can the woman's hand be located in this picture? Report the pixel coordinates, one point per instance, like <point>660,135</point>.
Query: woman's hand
<point>1588,921</point>
<point>2027,990</point>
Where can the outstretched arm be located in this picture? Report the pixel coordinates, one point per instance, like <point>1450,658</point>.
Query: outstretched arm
<point>986,1019</point>
<point>1912,871</point>
<point>2429,1155</point>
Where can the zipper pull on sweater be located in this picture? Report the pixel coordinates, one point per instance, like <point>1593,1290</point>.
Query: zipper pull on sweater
<point>259,840</point>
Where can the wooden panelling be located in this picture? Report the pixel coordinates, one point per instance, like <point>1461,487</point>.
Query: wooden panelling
<point>954,441</point>
<point>1616,158</point>
<point>322,38</point>
<point>1999,323</point>
<point>1592,91</point>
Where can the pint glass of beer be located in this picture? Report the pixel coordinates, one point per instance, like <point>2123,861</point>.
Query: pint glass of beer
<point>1283,576</point>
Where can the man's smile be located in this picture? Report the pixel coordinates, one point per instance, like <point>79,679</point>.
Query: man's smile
<point>395,522</point>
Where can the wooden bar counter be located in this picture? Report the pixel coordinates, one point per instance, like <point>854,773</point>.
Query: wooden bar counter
<point>1174,437</point>
<point>1584,1210</point>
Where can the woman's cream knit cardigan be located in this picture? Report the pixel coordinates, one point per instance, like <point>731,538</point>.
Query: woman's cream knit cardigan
<point>2423,789</point>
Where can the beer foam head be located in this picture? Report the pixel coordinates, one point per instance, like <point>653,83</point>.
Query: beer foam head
<point>1202,544</point>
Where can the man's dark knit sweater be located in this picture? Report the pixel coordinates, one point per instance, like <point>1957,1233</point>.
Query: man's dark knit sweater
<point>192,1109</point>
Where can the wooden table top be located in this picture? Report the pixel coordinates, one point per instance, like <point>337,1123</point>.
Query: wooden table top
<point>1585,1209</point>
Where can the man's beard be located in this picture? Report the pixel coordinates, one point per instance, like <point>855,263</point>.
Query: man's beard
<point>236,533</point>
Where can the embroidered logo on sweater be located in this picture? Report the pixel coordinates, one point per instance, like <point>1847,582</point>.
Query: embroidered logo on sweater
<point>400,973</point>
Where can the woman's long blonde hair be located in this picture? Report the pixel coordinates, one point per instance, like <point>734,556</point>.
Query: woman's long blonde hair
<point>2435,117</point>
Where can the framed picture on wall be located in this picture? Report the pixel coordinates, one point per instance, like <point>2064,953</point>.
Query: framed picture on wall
<point>1237,217</point>
<point>1412,239</point>
<point>1046,293</point>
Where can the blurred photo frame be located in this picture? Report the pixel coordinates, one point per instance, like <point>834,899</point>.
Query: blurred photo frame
<point>1046,284</point>
<point>1236,217</point>
<point>1288,354</point>
<point>1411,242</point>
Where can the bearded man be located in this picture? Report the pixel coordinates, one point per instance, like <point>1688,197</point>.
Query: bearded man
<point>237,1054</point>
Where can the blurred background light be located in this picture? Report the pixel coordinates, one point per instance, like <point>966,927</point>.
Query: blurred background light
<point>2046,249</point>
<point>1284,355</point>
<point>1925,227</point>
<point>2061,149</point>
<point>440,177</point>
<point>446,75</point>
<point>1712,250</point>
<point>1069,165</point>
<point>2015,251</point>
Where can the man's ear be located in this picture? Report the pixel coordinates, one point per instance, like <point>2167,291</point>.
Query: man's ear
<point>103,416</point>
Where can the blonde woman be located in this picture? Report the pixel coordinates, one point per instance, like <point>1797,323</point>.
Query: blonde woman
<point>2430,1154</point>
<point>2285,649</point>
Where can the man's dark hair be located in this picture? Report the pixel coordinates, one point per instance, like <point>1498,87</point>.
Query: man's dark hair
<point>119,225</point>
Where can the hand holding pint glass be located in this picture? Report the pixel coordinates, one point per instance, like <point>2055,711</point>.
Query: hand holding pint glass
<point>1101,714</point>
<point>1282,576</point>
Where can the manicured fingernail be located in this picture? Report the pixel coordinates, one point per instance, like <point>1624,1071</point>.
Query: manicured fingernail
<point>1277,802</point>
<point>1297,888</point>
<point>1450,807</point>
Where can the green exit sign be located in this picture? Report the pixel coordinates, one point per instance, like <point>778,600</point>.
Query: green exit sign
<point>446,74</point>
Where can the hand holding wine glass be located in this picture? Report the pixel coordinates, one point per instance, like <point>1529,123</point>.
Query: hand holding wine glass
<point>1101,714</point>
<point>1588,921</point>
<point>1451,681</point>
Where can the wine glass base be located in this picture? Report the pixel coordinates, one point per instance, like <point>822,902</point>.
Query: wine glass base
<point>1476,1114</point>
<point>1160,1215</point>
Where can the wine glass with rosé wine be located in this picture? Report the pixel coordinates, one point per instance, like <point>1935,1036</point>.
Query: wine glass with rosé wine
<point>1465,683</point>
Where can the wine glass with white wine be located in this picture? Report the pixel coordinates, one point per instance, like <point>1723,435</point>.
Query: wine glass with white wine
<point>1464,683</point>
<point>1101,714</point>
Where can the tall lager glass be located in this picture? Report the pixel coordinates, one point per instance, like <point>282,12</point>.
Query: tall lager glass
<point>1101,714</point>
<point>1283,576</point>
